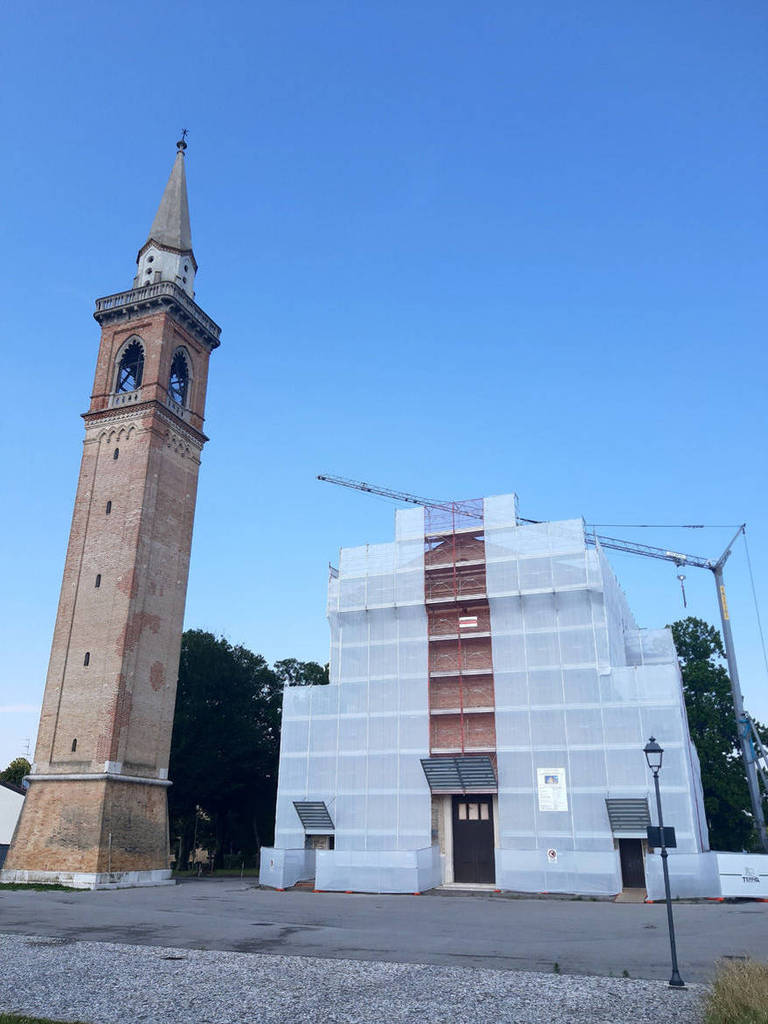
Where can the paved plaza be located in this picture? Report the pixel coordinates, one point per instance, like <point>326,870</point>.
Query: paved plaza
<point>481,930</point>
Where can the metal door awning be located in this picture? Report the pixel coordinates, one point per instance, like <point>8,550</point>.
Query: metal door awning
<point>473,774</point>
<point>628,816</point>
<point>314,816</point>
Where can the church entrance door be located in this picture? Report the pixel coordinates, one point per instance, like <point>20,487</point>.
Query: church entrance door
<point>473,856</point>
<point>632,866</point>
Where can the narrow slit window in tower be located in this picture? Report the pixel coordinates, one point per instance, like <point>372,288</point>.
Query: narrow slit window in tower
<point>74,746</point>
<point>98,580</point>
<point>116,453</point>
<point>109,508</point>
<point>87,658</point>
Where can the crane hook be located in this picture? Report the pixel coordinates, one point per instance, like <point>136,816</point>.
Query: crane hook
<point>681,577</point>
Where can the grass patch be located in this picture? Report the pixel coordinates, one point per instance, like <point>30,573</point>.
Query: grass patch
<point>739,994</point>
<point>35,887</point>
<point>11,1018</point>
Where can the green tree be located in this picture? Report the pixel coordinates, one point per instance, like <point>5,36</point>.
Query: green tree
<point>226,743</point>
<point>709,703</point>
<point>224,751</point>
<point>301,673</point>
<point>16,770</point>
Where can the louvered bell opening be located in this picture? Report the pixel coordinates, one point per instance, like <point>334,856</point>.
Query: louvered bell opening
<point>460,774</point>
<point>314,817</point>
<point>629,817</point>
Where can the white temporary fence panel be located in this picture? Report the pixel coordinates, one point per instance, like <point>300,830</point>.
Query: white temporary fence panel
<point>281,868</point>
<point>691,875</point>
<point>415,870</point>
<point>10,809</point>
<point>743,874</point>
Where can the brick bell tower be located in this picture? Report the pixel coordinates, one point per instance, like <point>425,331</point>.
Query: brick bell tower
<point>96,810</point>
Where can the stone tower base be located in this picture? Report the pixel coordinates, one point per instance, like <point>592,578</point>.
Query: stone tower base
<point>91,832</point>
<point>92,880</point>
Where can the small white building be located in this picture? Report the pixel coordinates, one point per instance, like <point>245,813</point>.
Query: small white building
<point>490,697</point>
<point>11,802</point>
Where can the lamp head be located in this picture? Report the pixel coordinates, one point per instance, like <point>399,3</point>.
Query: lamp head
<point>653,754</point>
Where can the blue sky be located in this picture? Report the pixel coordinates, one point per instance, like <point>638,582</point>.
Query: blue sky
<point>455,249</point>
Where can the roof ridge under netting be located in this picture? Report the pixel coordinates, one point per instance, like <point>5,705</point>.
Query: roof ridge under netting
<point>454,515</point>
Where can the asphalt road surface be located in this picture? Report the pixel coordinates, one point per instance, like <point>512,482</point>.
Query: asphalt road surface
<point>477,930</point>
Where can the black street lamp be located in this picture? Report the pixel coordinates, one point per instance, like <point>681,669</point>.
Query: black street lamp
<point>654,755</point>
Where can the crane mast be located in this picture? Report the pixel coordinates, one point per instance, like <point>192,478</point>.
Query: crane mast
<point>752,750</point>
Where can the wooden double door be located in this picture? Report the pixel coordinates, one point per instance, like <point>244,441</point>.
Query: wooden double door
<point>473,845</point>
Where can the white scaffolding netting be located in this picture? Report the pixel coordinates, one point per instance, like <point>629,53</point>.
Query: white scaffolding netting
<point>579,689</point>
<point>357,743</point>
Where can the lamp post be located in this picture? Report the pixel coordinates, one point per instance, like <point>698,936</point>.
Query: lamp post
<point>654,754</point>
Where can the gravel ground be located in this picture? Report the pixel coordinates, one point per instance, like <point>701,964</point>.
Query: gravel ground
<point>107,983</point>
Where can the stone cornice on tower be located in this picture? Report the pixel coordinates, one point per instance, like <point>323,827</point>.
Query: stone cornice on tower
<point>165,415</point>
<point>162,295</point>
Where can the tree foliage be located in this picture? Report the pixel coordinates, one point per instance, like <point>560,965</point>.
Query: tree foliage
<point>16,770</point>
<point>709,703</point>
<point>226,742</point>
<point>301,673</point>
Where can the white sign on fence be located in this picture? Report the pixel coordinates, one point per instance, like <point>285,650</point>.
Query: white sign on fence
<point>743,874</point>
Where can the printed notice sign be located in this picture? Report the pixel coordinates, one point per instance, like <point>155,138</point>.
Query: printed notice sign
<point>551,787</point>
<point>742,875</point>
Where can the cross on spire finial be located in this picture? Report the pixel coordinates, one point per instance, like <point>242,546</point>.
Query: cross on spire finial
<point>181,145</point>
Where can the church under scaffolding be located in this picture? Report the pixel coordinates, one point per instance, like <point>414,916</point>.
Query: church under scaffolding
<point>490,696</point>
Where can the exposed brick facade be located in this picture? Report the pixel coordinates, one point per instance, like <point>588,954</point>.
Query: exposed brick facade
<point>111,685</point>
<point>91,827</point>
<point>461,688</point>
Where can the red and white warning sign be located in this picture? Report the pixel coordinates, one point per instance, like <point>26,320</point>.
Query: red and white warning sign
<point>467,622</point>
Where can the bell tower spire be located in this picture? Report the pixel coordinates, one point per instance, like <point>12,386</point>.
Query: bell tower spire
<point>96,812</point>
<point>167,253</point>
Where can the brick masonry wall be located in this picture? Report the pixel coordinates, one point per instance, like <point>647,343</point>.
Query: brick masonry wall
<point>161,336</point>
<point>116,711</point>
<point>455,647</point>
<point>91,827</point>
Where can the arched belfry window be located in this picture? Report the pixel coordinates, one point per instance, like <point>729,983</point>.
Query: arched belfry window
<point>130,369</point>
<point>179,381</point>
